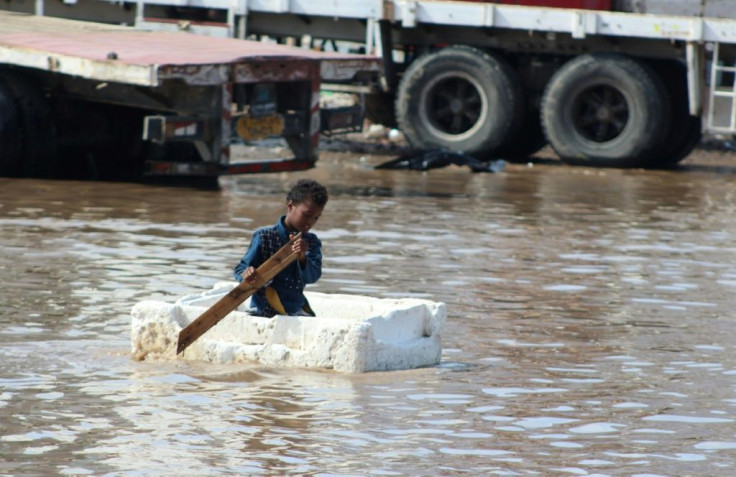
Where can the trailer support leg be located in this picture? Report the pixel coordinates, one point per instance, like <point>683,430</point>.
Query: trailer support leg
<point>694,78</point>
<point>387,47</point>
<point>371,37</point>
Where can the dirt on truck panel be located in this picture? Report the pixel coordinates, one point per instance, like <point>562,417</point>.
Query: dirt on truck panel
<point>109,52</point>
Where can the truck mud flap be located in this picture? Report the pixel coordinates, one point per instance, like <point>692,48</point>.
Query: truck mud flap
<point>341,120</point>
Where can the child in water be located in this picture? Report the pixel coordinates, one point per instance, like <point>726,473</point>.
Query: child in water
<point>285,294</point>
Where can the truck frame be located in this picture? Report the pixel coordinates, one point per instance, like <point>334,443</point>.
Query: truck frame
<point>92,100</point>
<point>634,87</point>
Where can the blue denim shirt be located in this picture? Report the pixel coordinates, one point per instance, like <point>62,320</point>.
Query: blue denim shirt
<point>290,283</point>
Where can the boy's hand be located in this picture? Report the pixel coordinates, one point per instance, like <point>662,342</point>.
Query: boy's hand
<point>250,275</point>
<point>301,247</point>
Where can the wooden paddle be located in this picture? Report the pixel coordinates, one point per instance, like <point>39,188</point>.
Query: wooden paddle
<point>264,274</point>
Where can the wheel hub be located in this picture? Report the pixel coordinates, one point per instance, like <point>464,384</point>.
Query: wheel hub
<point>456,106</point>
<point>601,113</point>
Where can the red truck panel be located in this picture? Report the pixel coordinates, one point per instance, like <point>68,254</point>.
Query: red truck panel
<point>582,4</point>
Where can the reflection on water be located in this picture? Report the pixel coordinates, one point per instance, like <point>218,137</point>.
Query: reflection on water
<point>589,331</point>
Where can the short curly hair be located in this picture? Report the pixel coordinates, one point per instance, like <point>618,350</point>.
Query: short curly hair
<point>306,189</point>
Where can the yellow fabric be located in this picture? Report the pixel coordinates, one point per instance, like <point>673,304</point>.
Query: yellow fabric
<point>272,297</point>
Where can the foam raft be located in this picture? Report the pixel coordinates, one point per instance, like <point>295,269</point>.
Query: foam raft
<point>350,334</point>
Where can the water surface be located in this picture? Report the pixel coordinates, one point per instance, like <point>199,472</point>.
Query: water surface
<point>590,327</point>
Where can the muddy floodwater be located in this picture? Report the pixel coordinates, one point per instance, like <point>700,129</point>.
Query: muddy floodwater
<point>591,325</point>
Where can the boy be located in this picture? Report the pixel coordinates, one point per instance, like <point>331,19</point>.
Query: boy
<point>285,294</point>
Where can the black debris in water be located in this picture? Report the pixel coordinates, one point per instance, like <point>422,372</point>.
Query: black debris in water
<point>424,160</point>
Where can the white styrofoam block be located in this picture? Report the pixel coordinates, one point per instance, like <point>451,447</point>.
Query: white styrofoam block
<point>350,334</point>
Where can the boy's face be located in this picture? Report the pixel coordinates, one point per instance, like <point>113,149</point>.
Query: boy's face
<point>302,216</point>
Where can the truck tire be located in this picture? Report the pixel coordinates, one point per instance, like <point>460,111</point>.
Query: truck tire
<point>10,147</point>
<point>605,110</point>
<point>685,131</point>
<point>458,99</point>
<point>37,138</point>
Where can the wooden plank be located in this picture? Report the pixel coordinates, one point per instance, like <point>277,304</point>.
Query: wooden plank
<point>265,273</point>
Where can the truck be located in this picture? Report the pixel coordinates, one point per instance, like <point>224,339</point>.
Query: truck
<point>96,100</point>
<point>619,83</point>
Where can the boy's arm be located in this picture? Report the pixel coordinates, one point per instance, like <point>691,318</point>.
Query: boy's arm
<point>311,268</point>
<point>252,257</point>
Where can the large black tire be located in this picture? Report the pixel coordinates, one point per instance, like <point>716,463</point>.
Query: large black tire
<point>459,99</point>
<point>37,137</point>
<point>605,110</point>
<point>10,147</point>
<point>685,131</point>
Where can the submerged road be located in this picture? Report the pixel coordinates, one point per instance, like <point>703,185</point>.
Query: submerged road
<point>590,325</point>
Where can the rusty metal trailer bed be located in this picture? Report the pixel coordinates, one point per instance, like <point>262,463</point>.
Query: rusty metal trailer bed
<point>157,102</point>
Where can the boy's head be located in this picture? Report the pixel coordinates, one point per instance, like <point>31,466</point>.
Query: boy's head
<point>304,204</point>
<point>307,189</point>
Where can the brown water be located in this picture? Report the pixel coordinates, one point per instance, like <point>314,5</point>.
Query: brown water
<point>590,330</point>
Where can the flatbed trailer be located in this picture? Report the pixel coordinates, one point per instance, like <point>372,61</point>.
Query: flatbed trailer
<point>119,102</point>
<point>609,83</point>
